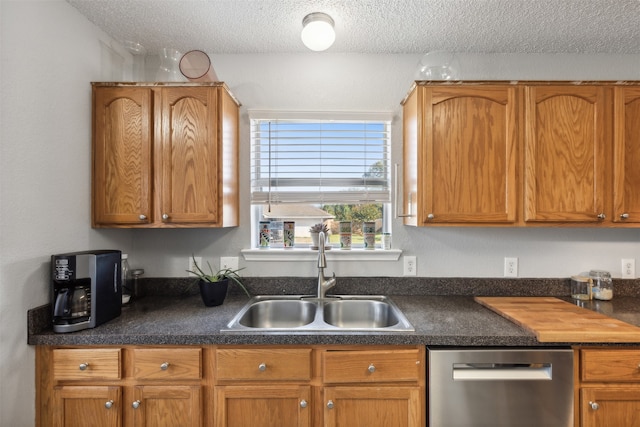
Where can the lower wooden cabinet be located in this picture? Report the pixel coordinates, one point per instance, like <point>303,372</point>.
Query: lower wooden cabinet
<point>166,406</point>
<point>263,406</point>
<point>119,386</point>
<point>74,405</point>
<point>608,387</point>
<point>330,386</point>
<point>610,407</point>
<point>372,406</point>
<point>231,386</point>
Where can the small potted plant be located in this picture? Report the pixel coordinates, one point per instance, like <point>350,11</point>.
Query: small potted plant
<point>315,232</point>
<point>214,285</point>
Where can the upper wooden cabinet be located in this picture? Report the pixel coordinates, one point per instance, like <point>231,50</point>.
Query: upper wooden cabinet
<point>164,155</point>
<point>626,155</point>
<point>522,154</point>
<point>460,154</point>
<point>567,136</point>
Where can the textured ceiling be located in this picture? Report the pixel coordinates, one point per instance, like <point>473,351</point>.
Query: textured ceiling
<point>374,26</point>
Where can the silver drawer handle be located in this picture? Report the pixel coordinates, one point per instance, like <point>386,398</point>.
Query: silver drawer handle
<point>164,366</point>
<point>136,404</point>
<point>165,216</point>
<point>83,366</point>
<point>624,216</point>
<point>142,217</point>
<point>431,216</point>
<point>109,404</point>
<point>262,367</point>
<point>303,403</point>
<point>371,368</point>
<point>330,404</point>
<point>594,405</point>
<point>601,216</point>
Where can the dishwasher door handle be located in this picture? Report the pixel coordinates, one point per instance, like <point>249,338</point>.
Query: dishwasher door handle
<point>501,371</point>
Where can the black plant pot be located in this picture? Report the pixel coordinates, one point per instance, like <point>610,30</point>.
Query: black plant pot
<point>213,293</point>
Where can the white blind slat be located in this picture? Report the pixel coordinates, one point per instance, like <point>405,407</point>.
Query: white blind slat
<point>319,161</point>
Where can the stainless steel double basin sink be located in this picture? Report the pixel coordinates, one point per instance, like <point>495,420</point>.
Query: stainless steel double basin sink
<point>343,313</point>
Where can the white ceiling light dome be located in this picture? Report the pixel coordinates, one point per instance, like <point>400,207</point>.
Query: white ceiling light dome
<point>317,31</point>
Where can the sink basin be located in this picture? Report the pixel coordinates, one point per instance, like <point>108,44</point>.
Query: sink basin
<point>308,314</point>
<point>279,314</point>
<point>360,314</point>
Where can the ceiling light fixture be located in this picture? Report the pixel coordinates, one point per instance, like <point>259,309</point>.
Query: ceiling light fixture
<point>317,31</point>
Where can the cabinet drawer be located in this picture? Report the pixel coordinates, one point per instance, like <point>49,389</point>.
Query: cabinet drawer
<point>87,364</point>
<point>610,365</point>
<point>263,364</point>
<point>167,363</point>
<point>371,366</point>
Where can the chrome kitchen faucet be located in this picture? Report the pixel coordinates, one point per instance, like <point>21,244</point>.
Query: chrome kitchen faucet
<point>324,284</point>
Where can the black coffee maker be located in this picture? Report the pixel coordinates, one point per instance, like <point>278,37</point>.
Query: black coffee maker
<point>86,289</point>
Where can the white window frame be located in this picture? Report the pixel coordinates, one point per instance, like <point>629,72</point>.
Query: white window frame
<point>304,253</point>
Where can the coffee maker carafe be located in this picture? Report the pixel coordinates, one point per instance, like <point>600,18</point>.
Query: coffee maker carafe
<point>73,302</point>
<point>86,289</point>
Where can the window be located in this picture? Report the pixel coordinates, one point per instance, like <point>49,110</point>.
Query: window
<point>320,167</point>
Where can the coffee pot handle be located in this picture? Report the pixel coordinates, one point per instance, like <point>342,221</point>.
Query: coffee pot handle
<point>63,303</point>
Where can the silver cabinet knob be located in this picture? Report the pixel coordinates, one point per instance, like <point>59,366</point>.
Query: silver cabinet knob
<point>262,367</point>
<point>330,404</point>
<point>136,404</point>
<point>164,366</point>
<point>431,216</point>
<point>142,217</point>
<point>165,216</point>
<point>109,404</point>
<point>371,368</point>
<point>83,366</point>
<point>303,403</point>
<point>594,405</point>
<point>601,216</point>
<point>624,216</point>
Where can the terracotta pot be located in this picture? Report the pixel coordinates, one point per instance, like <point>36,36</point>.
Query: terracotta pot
<point>213,293</point>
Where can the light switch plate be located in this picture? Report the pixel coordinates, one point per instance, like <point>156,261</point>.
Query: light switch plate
<point>409,266</point>
<point>230,262</point>
<point>511,267</point>
<point>628,268</point>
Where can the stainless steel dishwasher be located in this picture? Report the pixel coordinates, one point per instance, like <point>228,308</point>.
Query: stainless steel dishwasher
<point>500,387</point>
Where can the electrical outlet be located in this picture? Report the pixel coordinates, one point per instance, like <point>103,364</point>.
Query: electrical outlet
<point>409,266</point>
<point>628,268</point>
<point>192,266</point>
<point>230,262</point>
<point>511,267</point>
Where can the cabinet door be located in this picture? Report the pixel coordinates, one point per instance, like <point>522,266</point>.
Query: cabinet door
<point>469,155</point>
<point>167,406</point>
<point>626,165</point>
<point>566,139</point>
<point>90,406</point>
<point>610,407</point>
<point>263,406</point>
<point>190,156</point>
<point>122,143</point>
<point>372,407</point>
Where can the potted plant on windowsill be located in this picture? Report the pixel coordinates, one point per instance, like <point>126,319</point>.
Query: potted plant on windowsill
<point>315,232</point>
<point>214,286</point>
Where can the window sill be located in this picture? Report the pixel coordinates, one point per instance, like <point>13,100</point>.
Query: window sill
<point>306,254</point>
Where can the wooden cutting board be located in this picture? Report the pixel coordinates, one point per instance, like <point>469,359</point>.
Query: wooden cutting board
<point>554,320</point>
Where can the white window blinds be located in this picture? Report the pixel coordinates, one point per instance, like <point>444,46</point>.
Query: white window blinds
<point>320,158</point>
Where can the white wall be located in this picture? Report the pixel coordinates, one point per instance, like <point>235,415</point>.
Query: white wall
<point>49,55</point>
<point>379,82</point>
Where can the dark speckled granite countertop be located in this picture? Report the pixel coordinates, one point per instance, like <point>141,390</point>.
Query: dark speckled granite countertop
<point>443,314</point>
